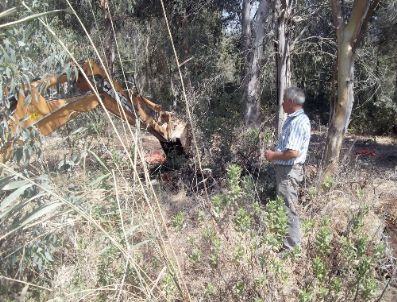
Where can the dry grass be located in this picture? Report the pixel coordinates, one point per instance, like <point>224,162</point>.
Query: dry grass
<point>217,261</point>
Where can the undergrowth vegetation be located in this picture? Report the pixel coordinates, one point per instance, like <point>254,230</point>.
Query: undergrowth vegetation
<point>95,230</point>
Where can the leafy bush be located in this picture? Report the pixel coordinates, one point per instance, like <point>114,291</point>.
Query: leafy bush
<point>344,264</point>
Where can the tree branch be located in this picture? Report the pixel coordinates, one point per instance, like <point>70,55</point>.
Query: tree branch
<point>284,4</point>
<point>364,26</point>
<point>355,23</point>
<point>338,18</point>
<point>298,37</point>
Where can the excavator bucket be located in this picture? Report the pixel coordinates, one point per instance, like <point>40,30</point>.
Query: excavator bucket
<point>179,142</point>
<point>96,89</point>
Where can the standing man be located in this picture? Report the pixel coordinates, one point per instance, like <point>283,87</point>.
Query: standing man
<point>288,158</point>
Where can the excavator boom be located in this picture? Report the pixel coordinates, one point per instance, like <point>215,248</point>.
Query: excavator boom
<point>95,88</point>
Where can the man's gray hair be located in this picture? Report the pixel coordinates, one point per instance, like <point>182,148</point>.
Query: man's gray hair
<point>295,94</point>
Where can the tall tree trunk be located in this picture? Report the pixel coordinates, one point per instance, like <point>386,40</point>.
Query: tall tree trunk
<point>246,43</point>
<point>110,49</point>
<point>395,103</point>
<point>186,52</point>
<point>109,40</point>
<point>246,32</point>
<point>148,68</point>
<point>350,93</point>
<point>340,114</point>
<point>252,90</point>
<point>282,11</point>
<point>395,90</point>
<point>347,35</point>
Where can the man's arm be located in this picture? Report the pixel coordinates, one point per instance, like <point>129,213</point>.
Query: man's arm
<point>281,155</point>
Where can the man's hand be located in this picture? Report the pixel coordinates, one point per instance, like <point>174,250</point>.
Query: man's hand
<point>284,155</point>
<point>269,155</point>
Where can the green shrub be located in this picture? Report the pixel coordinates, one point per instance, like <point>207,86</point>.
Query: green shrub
<point>179,220</point>
<point>344,264</point>
<point>276,223</point>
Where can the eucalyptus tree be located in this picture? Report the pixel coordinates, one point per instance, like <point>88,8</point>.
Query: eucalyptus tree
<point>313,52</point>
<point>109,36</point>
<point>282,14</point>
<point>24,43</point>
<point>300,38</point>
<point>253,30</point>
<point>197,29</point>
<point>349,31</point>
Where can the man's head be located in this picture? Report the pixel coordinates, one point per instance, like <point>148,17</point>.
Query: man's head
<point>294,98</point>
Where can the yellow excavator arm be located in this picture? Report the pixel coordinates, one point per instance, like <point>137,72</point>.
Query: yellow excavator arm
<point>94,88</point>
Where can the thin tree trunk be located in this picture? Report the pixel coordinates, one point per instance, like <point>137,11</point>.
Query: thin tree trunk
<point>350,93</point>
<point>395,90</point>
<point>334,95</point>
<point>253,87</point>
<point>148,69</point>
<point>186,54</point>
<point>246,44</point>
<point>110,49</point>
<point>395,103</point>
<point>282,60</point>
<point>340,115</point>
<point>246,31</point>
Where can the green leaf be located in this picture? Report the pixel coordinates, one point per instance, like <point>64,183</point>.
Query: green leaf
<point>8,12</point>
<point>44,210</point>
<point>14,185</point>
<point>8,72</point>
<point>28,100</point>
<point>99,160</point>
<point>48,256</point>
<point>132,230</point>
<point>76,73</point>
<point>31,17</point>
<point>78,130</point>
<point>99,180</point>
<point>5,181</point>
<point>18,154</point>
<point>11,198</point>
<point>138,245</point>
<point>25,134</point>
<point>67,71</point>
<point>17,207</point>
<point>13,57</point>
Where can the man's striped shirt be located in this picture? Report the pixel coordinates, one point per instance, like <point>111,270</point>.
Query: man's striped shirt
<point>295,136</point>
